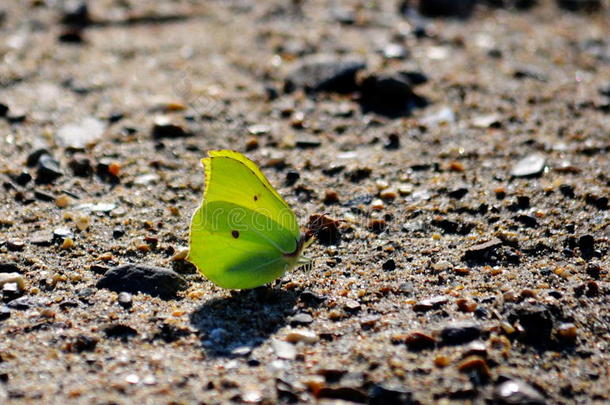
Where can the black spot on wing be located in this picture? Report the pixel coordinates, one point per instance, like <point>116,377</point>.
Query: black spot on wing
<point>235,234</point>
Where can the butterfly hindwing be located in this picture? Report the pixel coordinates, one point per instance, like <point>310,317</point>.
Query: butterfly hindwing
<point>244,234</point>
<point>231,249</point>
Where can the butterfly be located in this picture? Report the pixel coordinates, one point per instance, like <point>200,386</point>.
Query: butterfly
<point>243,235</point>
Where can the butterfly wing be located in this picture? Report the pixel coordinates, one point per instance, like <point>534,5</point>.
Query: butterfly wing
<point>243,231</point>
<point>231,177</point>
<point>231,249</point>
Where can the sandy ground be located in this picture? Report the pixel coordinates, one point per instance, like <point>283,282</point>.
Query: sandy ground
<point>457,271</point>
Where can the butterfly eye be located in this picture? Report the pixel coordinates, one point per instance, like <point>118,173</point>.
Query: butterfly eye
<point>255,198</point>
<point>235,234</point>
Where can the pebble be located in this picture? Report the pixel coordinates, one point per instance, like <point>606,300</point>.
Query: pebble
<point>446,8</point>
<point>460,332</point>
<point>325,73</point>
<point>389,265</point>
<point>588,6</point>
<point>48,170</point>
<point>391,96</point>
<point>325,228</point>
<point>5,312</point>
<point>482,251</point>
<point>41,238</point>
<point>34,156</point>
<point>466,305</point>
<point>475,364</point>
<point>331,197</point>
<point>259,129</point>
<point>530,166</point>
<point>386,394</point>
<point>419,341</point>
<point>9,267</point>
<point>430,303</point>
<point>301,335</point>
<point>301,319</point>
<point>536,321</point>
<point>164,127</point>
<point>15,245</point>
<point>80,166</point>
<point>394,51</point>
<point>23,303</point>
<point>567,332</point>
<point>80,134</point>
<point>517,392</point>
<point>83,222</point>
<point>284,350</point>
<point>307,142</point>
<point>181,254</point>
<point>125,299</point>
<point>135,278</point>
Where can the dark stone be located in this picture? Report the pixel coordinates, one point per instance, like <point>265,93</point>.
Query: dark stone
<point>389,265</point>
<point>389,96</point>
<point>446,8</point>
<point>325,229</point>
<point>460,333</point>
<point>164,128</point>
<point>325,74</point>
<point>120,331</point>
<point>9,267</point>
<point>414,78</point>
<point>517,392</point>
<point>42,196</point>
<point>527,220</point>
<point>118,232</point>
<point>22,178</point>
<point>482,251</point>
<point>75,13</point>
<point>344,393</point>
<point>418,341</point>
<point>393,142</point>
<point>567,190</point>
<point>588,6</point>
<point>134,278</point>
<point>71,36</point>
<point>453,227</point>
<point>292,177</point>
<point>458,193</point>
<point>34,157</point>
<point>81,166</point>
<point>359,174</point>
<point>536,321</point>
<point>48,170</point>
<point>600,202</point>
<point>385,395</point>
<point>310,298</point>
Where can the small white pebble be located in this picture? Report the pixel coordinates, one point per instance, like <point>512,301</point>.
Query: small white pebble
<point>6,278</point>
<point>301,335</point>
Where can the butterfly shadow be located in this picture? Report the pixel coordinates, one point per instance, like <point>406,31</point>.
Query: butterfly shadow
<point>233,326</point>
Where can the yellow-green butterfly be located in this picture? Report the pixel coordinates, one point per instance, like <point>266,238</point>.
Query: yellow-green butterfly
<point>244,234</point>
